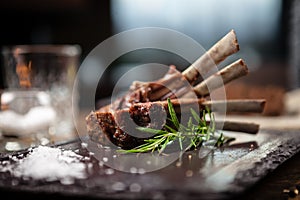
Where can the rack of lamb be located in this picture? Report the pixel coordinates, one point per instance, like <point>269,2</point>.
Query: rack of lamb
<point>146,103</point>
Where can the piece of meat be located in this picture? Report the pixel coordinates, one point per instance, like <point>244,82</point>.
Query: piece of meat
<point>120,126</point>
<point>103,129</point>
<point>144,104</point>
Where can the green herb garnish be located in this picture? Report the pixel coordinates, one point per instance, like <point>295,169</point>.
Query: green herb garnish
<point>197,131</point>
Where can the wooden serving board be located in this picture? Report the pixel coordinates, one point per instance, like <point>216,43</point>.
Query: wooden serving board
<point>221,173</point>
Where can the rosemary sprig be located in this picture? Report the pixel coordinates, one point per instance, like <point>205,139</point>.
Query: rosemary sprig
<point>197,131</point>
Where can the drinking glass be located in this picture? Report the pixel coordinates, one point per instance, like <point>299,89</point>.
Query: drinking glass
<point>36,104</point>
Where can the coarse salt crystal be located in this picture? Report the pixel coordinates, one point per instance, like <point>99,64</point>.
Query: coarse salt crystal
<point>49,163</point>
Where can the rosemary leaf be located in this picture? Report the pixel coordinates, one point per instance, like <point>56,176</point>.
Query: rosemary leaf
<point>173,114</point>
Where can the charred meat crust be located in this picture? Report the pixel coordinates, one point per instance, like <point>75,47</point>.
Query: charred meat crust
<point>102,128</point>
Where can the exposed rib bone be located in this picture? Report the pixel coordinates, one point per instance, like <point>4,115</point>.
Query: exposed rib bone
<point>184,105</point>
<point>237,105</point>
<point>246,127</point>
<point>227,74</point>
<point>225,47</point>
<point>175,81</point>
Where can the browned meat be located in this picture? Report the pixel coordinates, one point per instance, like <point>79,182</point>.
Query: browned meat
<point>144,104</point>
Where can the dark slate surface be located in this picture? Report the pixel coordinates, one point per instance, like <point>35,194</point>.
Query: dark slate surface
<point>220,174</point>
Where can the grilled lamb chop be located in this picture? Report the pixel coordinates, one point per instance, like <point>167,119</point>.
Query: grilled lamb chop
<point>115,124</point>
<point>120,127</point>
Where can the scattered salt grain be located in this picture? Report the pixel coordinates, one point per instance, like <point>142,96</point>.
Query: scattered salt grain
<point>178,164</point>
<point>118,186</point>
<point>189,173</point>
<point>135,187</point>
<point>101,163</point>
<point>109,171</point>
<point>133,170</point>
<point>87,158</point>
<point>141,171</point>
<point>48,163</point>
<point>105,159</point>
<point>84,145</point>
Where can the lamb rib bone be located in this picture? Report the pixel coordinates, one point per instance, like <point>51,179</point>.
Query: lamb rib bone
<point>245,127</point>
<point>183,105</point>
<point>222,77</point>
<point>229,73</point>
<point>173,85</point>
<point>174,80</point>
<point>225,47</point>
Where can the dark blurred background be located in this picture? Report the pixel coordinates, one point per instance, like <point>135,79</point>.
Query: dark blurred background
<point>266,29</point>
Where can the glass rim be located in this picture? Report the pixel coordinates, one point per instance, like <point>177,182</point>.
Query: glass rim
<point>63,49</point>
